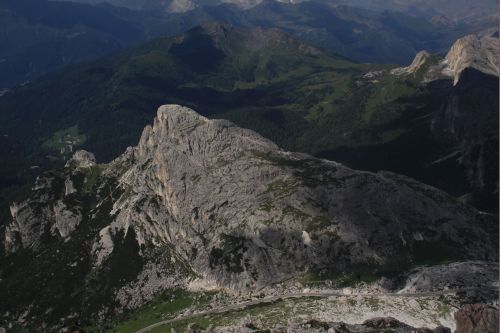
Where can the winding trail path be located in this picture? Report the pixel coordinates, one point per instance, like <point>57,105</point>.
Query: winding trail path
<point>271,299</point>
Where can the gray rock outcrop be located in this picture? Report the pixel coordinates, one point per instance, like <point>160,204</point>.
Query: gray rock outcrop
<point>477,318</point>
<point>472,52</point>
<point>205,199</point>
<point>243,212</point>
<point>420,59</point>
<point>82,159</point>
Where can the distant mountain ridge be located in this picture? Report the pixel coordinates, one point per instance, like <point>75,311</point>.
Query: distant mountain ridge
<point>460,9</point>
<point>480,16</point>
<point>462,117</point>
<point>42,36</point>
<point>473,52</point>
<point>69,32</point>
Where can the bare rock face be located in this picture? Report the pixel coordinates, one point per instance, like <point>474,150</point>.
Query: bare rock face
<point>82,159</point>
<point>468,120</point>
<point>230,207</point>
<point>477,318</point>
<point>47,212</point>
<point>472,51</point>
<point>43,214</point>
<point>420,59</point>
<point>244,212</point>
<point>457,275</point>
<point>245,205</point>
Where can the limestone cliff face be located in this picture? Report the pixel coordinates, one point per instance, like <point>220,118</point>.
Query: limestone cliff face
<point>42,214</point>
<point>261,214</point>
<point>204,201</point>
<point>472,52</point>
<point>420,59</point>
<point>466,83</point>
<point>241,212</point>
<point>468,121</point>
<point>50,209</point>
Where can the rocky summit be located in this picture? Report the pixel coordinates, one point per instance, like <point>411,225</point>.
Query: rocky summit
<point>420,59</point>
<point>472,52</point>
<point>204,199</point>
<point>468,52</point>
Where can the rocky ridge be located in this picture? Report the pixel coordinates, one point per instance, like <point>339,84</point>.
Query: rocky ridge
<point>458,275</point>
<point>471,51</point>
<point>420,59</point>
<point>227,37</point>
<point>224,205</point>
<point>465,118</point>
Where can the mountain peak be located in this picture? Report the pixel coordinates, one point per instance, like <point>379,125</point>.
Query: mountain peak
<point>229,206</point>
<point>420,59</point>
<point>472,51</point>
<point>195,134</point>
<point>225,36</point>
<point>480,53</point>
<point>173,114</point>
